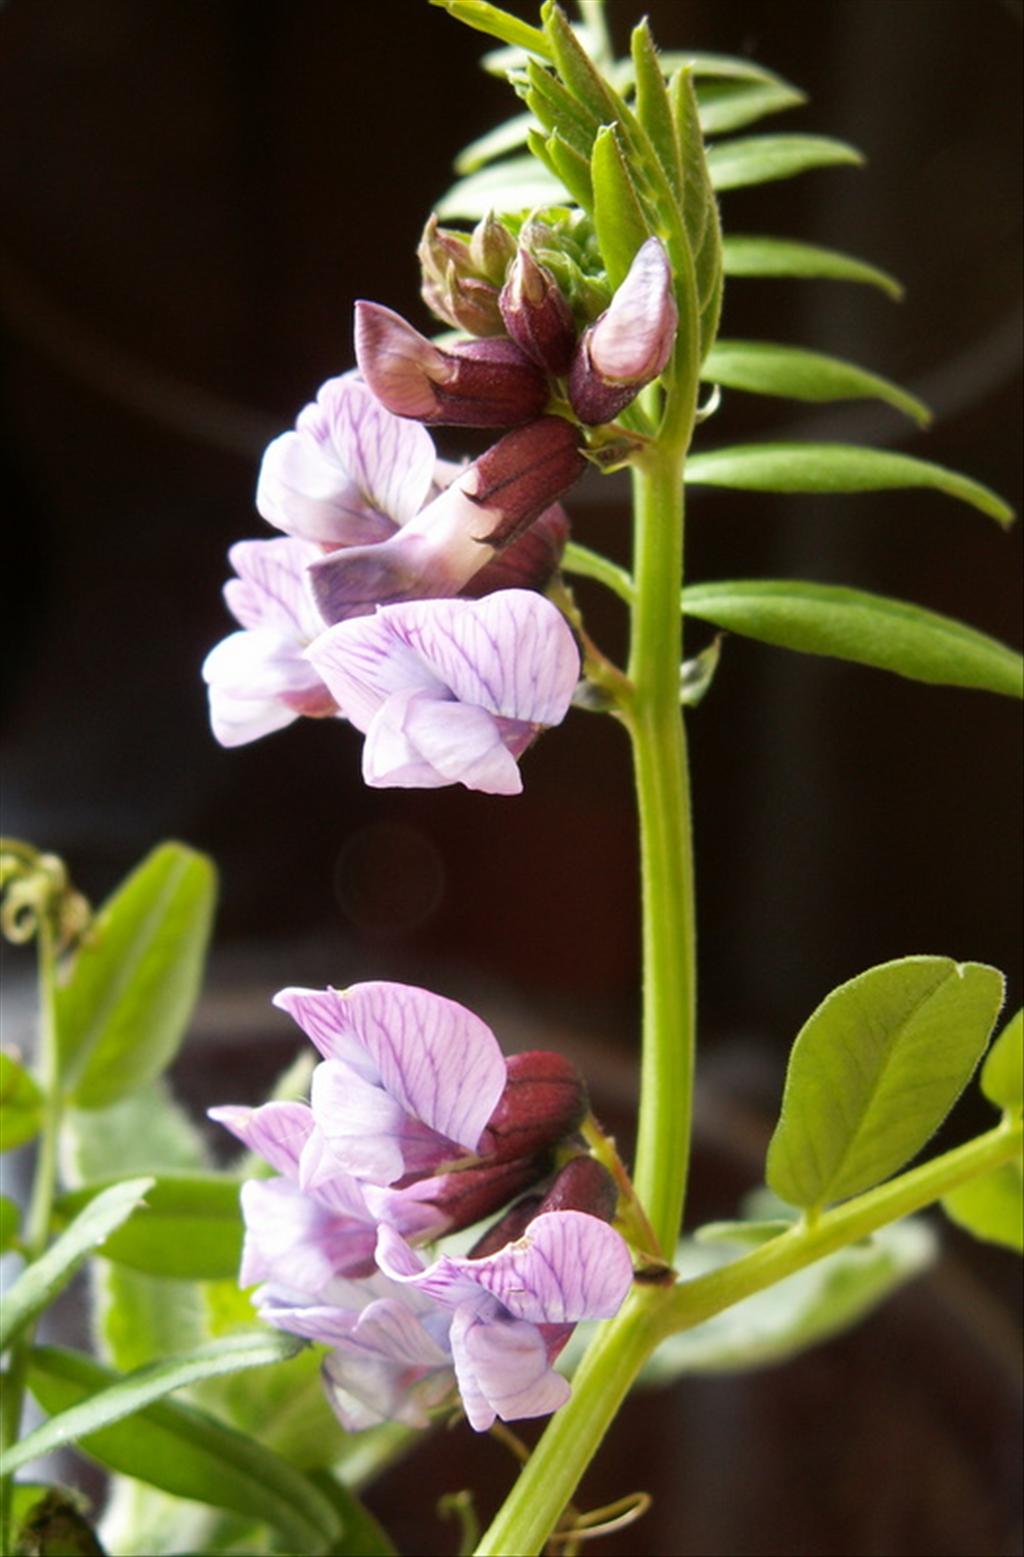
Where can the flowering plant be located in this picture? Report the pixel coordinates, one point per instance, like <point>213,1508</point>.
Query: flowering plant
<point>419,1222</point>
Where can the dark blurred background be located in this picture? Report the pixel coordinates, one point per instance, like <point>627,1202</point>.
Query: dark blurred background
<point>195,193</point>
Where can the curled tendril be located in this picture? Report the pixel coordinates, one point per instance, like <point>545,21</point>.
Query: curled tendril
<point>600,1521</point>
<point>36,887</point>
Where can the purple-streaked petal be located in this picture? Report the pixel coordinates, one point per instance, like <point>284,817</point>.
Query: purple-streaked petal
<point>567,1266</point>
<point>277,1132</point>
<point>416,742</point>
<point>272,588</point>
<point>290,1237</point>
<point>435,1057</point>
<point>502,1369</point>
<point>363,663</point>
<point>325,1018</point>
<point>359,1129</point>
<point>348,473</point>
<point>511,653</point>
<point>364,1391</point>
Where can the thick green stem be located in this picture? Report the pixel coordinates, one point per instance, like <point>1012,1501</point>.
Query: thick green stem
<point>37,1222</point>
<point>655,724</point>
<point>694,1301</point>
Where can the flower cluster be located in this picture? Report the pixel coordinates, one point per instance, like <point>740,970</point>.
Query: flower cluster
<point>417,1126</point>
<point>404,593</point>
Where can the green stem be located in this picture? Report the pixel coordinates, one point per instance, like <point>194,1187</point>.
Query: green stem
<point>37,1222</point>
<point>694,1301</point>
<point>655,724</point>
<point>621,1347</point>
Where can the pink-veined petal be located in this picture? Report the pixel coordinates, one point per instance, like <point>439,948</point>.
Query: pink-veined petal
<point>391,459</point>
<point>435,1057</point>
<point>567,1266</point>
<point>290,1237</point>
<point>277,1132</point>
<point>415,741</point>
<point>272,587</point>
<point>326,1020</point>
<point>363,664</point>
<point>502,1369</point>
<point>359,1129</point>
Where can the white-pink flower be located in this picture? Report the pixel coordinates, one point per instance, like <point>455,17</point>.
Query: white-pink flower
<point>451,691</point>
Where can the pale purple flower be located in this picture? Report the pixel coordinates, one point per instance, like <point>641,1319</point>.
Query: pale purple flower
<point>259,679</point>
<point>451,691</point>
<point>512,1311</point>
<point>349,473</point>
<point>409,1081</point>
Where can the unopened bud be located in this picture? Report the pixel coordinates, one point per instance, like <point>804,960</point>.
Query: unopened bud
<point>544,1100</point>
<point>488,383</point>
<point>584,1184</point>
<point>492,248</point>
<point>454,286</point>
<point>490,505</point>
<point>630,344</point>
<point>467,1195</point>
<point>537,316</point>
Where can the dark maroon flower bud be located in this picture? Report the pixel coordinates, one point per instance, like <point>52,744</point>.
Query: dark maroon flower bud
<point>544,1100</point>
<point>537,316</point>
<point>529,561</point>
<point>584,1184</point>
<point>507,1228</point>
<point>629,346</point>
<point>488,383</point>
<point>525,472</point>
<point>467,1195</point>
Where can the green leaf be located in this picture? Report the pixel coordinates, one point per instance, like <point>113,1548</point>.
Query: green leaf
<point>145,1133</point>
<point>10,1223</point>
<point>653,107</point>
<point>497,23</point>
<point>834,467</point>
<point>517,184</point>
<point>991,1207</point>
<point>171,1445</point>
<point>759,159</point>
<point>577,70</point>
<point>764,368</point>
<point>137,1318</point>
<point>557,110</point>
<point>190,1227</point>
<point>863,628</point>
<point>572,169</point>
<point>699,211</point>
<point>21,1104</point>
<point>805,1309</point>
<point>125,1008</point>
<point>727,106</point>
<point>744,255</point>
<point>618,216</point>
<point>874,1071</point>
<point>40,1282</point>
<point>1002,1075</point>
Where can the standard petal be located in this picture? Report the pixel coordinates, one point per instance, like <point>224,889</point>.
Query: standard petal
<point>511,653</point>
<point>363,662</point>
<point>417,742</point>
<point>324,1017</point>
<point>390,458</point>
<point>501,1366</point>
<point>435,1057</point>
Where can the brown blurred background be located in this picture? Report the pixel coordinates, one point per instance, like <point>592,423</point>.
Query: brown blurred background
<point>195,191</point>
